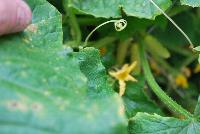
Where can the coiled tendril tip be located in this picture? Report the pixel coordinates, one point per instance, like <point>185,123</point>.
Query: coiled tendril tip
<point>119,25</point>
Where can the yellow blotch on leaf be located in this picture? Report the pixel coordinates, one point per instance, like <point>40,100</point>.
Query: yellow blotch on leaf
<point>181,80</point>
<point>123,75</point>
<point>32,28</point>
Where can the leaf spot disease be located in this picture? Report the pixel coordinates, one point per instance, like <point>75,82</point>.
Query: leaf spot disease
<point>17,105</point>
<point>37,107</point>
<point>32,28</point>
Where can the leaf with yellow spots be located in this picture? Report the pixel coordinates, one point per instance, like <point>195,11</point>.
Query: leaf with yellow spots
<point>47,89</point>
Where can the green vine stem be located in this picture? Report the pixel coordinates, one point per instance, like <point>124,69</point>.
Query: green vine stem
<point>172,105</point>
<point>122,50</point>
<point>76,32</point>
<point>103,42</point>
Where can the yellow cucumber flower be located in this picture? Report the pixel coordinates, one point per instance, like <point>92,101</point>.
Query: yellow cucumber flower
<point>181,80</point>
<point>123,75</point>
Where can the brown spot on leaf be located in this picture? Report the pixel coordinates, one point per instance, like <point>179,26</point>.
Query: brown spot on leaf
<point>32,28</point>
<point>17,105</point>
<point>37,107</point>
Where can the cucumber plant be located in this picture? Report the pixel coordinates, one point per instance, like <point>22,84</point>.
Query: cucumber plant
<point>73,72</point>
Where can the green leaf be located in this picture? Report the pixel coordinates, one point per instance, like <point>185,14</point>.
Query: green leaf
<point>112,8</point>
<point>46,29</point>
<point>144,123</point>
<point>135,99</point>
<point>45,88</point>
<point>197,110</point>
<point>93,69</point>
<point>193,3</point>
<point>198,49</point>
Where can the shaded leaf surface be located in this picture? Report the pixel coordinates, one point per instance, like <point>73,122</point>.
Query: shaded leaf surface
<point>136,101</point>
<point>193,3</point>
<point>113,8</point>
<point>44,90</point>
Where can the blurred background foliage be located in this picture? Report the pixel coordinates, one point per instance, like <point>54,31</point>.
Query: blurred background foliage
<point>175,67</point>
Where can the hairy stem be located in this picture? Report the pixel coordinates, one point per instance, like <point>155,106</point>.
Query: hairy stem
<point>172,105</point>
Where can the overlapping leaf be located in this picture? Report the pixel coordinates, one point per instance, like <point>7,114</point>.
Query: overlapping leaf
<point>44,90</point>
<point>114,8</point>
<point>193,3</point>
<point>144,123</point>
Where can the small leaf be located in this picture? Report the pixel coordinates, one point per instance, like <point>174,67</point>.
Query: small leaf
<point>197,109</point>
<point>91,66</point>
<point>144,123</point>
<point>197,48</point>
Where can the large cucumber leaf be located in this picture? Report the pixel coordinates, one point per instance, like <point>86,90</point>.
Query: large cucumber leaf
<point>193,3</point>
<point>144,123</point>
<point>114,8</point>
<point>44,90</point>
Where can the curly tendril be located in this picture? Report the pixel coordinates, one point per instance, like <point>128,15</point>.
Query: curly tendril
<point>118,24</point>
<point>174,23</point>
